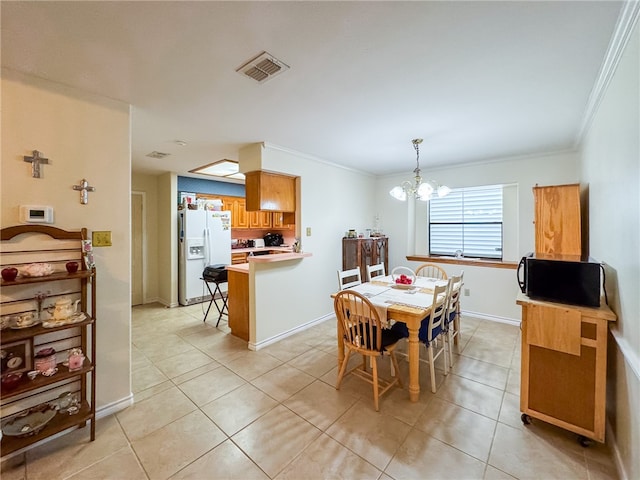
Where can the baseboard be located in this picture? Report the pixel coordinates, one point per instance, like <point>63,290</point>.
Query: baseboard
<point>288,333</point>
<point>114,407</point>
<point>617,458</point>
<point>493,318</point>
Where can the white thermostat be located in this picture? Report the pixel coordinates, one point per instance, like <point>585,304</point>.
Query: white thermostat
<point>36,214</point>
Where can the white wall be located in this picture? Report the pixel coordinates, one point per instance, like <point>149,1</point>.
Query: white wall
<point>611,168</point>
<point>84,136</point>
<point>492,290</point>
<point>333,200</point>
<point>168,239</point>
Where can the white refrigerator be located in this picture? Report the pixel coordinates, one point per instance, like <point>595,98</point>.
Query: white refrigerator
<point>204,239</point>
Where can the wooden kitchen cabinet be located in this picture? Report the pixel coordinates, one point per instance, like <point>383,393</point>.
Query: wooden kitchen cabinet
<point>241,218</point>
<point>564,365</point>
<point>238,303</point>
<point>360,252</point>
<point>270,191</point>
<point>260,219</point>
<point>237,258</point>
<point>239,215</point>
<point>277,220</point>
<point>21,245</point>
<point>557,219</point>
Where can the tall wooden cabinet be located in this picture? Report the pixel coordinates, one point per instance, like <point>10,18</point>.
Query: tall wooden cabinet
<point>564,365</point>
<point>360,252</point>
<point>64,395</point>
<point>557,219</point>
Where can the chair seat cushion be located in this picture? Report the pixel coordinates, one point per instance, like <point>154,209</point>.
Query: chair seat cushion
<point>400,328</point>
<point>389,337</point>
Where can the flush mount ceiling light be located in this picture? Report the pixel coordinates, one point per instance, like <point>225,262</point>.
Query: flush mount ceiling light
<point>222,168</point>
<point>263,67</point>
<point>418,189</point>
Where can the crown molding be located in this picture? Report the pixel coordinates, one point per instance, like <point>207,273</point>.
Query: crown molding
<point>622,33</point>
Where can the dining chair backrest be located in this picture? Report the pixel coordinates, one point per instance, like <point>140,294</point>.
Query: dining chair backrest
<point>360,322</point>
<point>454,296</point>
<point>375,270</point>
<point>349,278</point>
<point>439,309</point>
<point>431,270</point>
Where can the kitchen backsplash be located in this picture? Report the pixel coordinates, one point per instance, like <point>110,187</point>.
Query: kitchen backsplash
<point>244,234</point>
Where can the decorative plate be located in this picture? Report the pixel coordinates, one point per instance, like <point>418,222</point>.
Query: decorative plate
<point>16,326</point>
<point>75,318</point>
<point>29,424</point>
<point>37,270</point>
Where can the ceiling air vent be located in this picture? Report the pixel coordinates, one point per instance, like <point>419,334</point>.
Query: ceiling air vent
<point>263,67</point>
<point>155,154</point>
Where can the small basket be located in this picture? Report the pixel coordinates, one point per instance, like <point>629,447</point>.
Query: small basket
<point>406,271</point>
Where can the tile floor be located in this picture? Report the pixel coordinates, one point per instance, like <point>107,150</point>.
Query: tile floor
<point>207,408</point>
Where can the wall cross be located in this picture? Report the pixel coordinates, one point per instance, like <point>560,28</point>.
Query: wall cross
<point>84,190</point>
<point>36,160</point>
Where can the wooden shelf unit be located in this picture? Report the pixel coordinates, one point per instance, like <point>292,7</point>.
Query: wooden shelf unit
<point>22,245</point>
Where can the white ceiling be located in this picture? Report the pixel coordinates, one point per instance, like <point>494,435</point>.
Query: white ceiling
<point>477,80</point>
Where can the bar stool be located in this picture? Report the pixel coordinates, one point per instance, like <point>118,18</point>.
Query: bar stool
<point>216,274</point>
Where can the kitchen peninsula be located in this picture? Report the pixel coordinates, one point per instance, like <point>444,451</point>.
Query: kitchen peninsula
<point>242,293</point>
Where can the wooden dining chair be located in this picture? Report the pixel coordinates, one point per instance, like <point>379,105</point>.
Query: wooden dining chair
<point>375,271</point>
<point>349,278</point>
<point>431,270</point>
<point>431,332</point>
<point>452,315</point>
<point>455,316</point>
<point>363,333</point>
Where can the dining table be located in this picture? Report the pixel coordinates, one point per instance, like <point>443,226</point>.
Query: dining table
<point>399,303</point>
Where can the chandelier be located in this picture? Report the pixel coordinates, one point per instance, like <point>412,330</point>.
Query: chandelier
<point>418,189</point>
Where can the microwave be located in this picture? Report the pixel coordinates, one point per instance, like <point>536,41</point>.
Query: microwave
<point>560,278</point>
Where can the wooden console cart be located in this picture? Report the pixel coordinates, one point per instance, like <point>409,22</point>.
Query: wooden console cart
<point>564,366</point>
<point>21,246</point>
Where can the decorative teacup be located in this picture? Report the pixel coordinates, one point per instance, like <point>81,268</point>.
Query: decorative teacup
<point>25,319</point>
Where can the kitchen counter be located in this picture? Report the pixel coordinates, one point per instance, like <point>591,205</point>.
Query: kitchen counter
<point>275,257</point>
<point>256,275</point>
<point>260,249</point>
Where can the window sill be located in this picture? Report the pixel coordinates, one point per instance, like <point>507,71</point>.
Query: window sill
<point>476,262</point>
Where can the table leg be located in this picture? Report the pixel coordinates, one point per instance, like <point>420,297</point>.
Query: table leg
<point>414,364</point>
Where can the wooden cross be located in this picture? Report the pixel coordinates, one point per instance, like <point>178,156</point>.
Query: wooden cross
<point>84,190</point>
<point>36,160</point>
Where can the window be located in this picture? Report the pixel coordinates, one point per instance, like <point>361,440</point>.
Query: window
<point>467,220</point>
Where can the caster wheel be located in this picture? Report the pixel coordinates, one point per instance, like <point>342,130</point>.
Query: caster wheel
<point>526,419</point>
<point>584,441</point>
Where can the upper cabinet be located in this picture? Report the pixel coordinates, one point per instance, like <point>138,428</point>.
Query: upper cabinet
<point>557,219</point>
<point>269,191</point>
<point>236,205</point>
<point>241,217</point>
